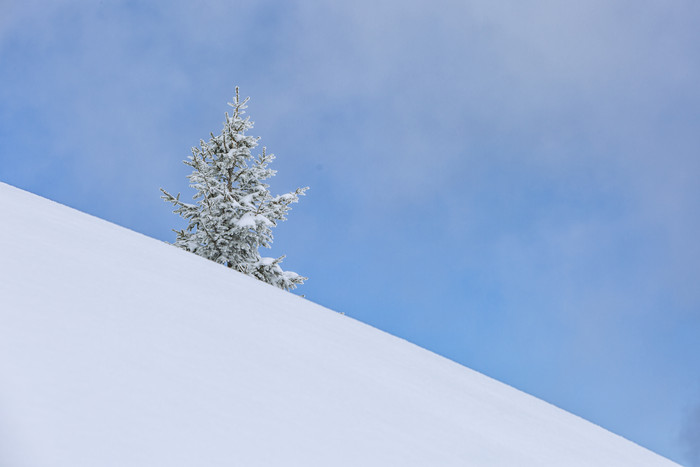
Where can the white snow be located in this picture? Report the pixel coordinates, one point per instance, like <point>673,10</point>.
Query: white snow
<point>250,220</point>
<point>120,350</point>
<point>247,221</point>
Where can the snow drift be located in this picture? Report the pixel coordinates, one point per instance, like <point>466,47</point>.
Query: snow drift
<point>120,350</point>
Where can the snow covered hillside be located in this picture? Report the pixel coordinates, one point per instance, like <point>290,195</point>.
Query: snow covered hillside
<point>120,350</point>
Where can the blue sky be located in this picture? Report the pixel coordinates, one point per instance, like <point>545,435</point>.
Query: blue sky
<point>513,185</point>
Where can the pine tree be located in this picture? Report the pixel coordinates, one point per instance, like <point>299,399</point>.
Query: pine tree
<point>234,212</point>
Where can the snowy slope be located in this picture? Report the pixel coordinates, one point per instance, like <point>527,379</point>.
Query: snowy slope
<point>119,350</point>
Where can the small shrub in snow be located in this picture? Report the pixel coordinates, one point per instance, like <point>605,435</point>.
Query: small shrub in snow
<point>234,212</point>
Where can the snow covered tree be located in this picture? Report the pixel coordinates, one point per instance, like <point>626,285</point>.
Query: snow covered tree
<point>234,212</point>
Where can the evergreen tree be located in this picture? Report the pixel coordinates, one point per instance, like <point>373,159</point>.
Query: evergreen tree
<point>234,212</point>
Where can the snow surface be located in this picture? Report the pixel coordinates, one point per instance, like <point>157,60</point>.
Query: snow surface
<point>120,350</point>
